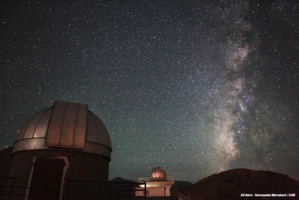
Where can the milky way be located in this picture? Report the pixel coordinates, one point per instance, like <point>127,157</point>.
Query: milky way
<point>194,87</point>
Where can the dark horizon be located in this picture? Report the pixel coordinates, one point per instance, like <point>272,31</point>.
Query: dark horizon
<point>234,169</point>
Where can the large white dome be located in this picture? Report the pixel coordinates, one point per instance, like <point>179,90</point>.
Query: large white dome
<point>64,126</point>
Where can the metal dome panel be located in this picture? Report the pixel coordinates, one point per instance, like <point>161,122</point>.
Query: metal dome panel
<point>35,126</point>
<point>97,130</point>
<point>65,126</point>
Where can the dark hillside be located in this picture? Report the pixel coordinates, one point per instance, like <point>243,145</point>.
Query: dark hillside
<point>232,184</point>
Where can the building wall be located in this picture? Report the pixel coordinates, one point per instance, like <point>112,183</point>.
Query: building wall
<point>81,167</point>
<point>5,157</point>
<point>5,162</point>
<point>156,188</point>
<point>152,192</point>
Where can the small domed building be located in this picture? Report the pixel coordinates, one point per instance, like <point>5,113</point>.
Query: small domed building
<point>157,185</point>
<point>56,149</point>
<point>158,173</point>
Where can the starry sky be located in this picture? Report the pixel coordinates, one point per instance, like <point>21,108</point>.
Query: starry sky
<point>196,87</point>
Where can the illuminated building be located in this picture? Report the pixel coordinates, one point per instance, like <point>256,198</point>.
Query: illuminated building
<point>157,185</point>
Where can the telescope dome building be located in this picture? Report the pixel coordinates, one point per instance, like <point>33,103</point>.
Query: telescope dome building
<point>58,147</point>
<point>157,185</point>
<point>158,173</point>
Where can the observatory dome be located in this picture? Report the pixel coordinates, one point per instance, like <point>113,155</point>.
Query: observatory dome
<point>64,126</point>
<point>158,173</point>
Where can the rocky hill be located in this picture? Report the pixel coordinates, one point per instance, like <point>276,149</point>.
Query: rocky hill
<point>179,185</point>
<point>241,183</point>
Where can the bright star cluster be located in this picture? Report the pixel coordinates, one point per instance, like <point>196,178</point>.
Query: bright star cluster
<point>196,87</point>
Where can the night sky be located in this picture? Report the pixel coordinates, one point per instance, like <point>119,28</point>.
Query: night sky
<point>196,87</point>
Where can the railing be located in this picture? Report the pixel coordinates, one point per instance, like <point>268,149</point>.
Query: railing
<point>6,186</point>
<point>77,190</point>
<point>169,178</point>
